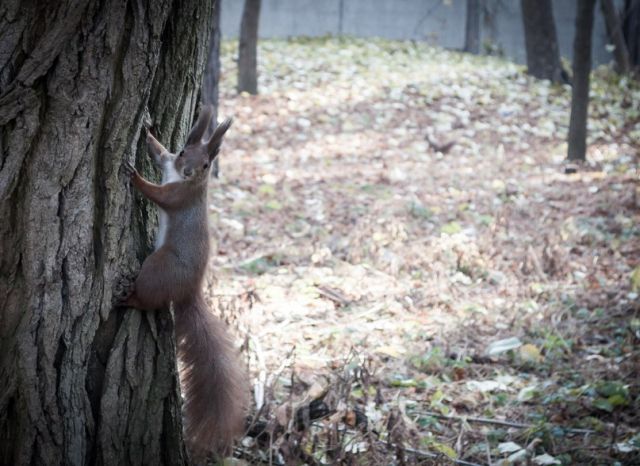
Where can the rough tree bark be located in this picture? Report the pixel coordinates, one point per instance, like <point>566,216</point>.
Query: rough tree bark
<point>248,48</point>
<point>581,70</point>
<point>614,30</point>
<point>472,27</point>
<point>80,382</point>
<point>209,91</point>
<point>543,57</point>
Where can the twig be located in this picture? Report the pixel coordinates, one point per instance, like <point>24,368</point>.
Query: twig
<point>437,147</point>
<point>333,295</point>
<point>426,454</point>
<point>416,452</point>
<point>244,453</point>
<point>518,425</point>
<point>614,434</point>
<point>488,449</point>
<point>413,451</point>
<point>536,264</point>
<point>581,448</point>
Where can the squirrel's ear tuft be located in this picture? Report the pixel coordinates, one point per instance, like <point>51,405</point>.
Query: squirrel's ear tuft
<point>155,148</point>
<point>214,143</point>
<point>195,136</point>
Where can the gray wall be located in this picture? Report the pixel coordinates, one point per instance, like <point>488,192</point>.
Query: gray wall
<point>435,21</point>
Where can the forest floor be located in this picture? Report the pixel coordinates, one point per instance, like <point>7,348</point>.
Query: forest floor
<point>414,276</point>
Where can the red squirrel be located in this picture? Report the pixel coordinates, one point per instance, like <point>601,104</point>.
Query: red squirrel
<point>212,379</point>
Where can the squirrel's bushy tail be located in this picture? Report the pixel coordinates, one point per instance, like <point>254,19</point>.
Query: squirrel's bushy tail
<point>211,378</point>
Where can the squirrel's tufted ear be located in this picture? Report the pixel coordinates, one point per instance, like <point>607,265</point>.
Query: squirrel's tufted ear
<point>195,136</point>
<point>214,143</point>
<point>155,148</point>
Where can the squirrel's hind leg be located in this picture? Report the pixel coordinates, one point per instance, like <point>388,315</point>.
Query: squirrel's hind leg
<point>156,284</point>
<point>134,302</point>
<point>125,295</point>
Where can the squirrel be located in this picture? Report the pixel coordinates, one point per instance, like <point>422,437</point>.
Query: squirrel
<point>211,376</point>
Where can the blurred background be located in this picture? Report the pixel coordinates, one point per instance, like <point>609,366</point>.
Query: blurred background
<point>437,22</point>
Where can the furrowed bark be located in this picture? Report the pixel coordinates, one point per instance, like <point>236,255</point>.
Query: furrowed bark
<point>80,382</point>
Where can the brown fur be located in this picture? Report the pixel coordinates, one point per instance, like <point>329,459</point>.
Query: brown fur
<point>211,376</point>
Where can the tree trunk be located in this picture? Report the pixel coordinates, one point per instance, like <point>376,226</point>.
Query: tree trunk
<point>248,48</point>
<point>614,30</point>
<point>80,382</point>
<point>472,27</point>
<point>209,91</point>
<point>631,30</point>
<point>543,58</point>
<point>581,71</point>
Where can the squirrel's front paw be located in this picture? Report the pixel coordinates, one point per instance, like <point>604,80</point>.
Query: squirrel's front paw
<point>130,170</point>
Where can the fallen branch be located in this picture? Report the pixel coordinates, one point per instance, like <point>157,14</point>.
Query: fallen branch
<point>415,451</point>
<point>440,456</point>
<point>517,425</point>
<point>241,452</point>
<point>437,147</point>
<point>333,295</point>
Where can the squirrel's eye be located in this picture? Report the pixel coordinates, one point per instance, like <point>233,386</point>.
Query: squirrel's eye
<point>180,154</point>
<point>206,165</point>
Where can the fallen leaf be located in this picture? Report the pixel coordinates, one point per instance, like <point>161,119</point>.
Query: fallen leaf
<point>486,385</point>
<point>391,351</point>
<point>502,346</point>
<point>508,447</point>
<point>451,228</point>
<point>528,393</point>
<point>546,459</point>
<point>530,353</point>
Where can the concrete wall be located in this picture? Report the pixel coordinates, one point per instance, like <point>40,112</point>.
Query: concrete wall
<point>439,22</point>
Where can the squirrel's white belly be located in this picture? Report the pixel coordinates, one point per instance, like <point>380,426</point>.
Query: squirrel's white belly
<point>169,175</point>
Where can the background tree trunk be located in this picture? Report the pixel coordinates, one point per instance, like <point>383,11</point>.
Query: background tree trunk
<point>543,57</point>
<point>631,30</point>
<point>614,30</point>
<point>248,48</point>
<point>472,27</point>
<point>581,71</point>
<point>209,92</point>
<point>81,383</point>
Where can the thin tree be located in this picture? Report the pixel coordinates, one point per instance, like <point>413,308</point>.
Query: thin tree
<point>541,42</point>
<point>210,91</point>
<point>248,48</point>
<point>581,71</point>
<point>614,30</point>
<point>472,27</point>
<point>80,382</point>
<point>631,31</point>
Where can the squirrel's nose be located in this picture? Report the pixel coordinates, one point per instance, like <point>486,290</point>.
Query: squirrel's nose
<point>188,172</point>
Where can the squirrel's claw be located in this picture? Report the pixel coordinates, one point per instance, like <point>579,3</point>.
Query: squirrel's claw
<point>129,169</point>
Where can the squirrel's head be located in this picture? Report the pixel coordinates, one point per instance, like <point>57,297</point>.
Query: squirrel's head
<point>194,161</point>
